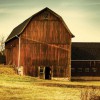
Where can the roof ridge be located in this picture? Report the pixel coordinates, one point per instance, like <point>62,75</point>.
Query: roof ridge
<point>23,25</point>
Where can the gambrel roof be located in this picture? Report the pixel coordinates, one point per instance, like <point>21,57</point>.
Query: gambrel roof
<point>20,28</point>
<point>85,51</point>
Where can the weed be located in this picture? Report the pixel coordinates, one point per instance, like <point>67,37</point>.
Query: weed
<point>90,94</point>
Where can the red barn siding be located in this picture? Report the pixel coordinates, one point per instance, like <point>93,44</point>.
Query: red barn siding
<point>49,31</point>
<point>45,41</point>
<point>12,52</point>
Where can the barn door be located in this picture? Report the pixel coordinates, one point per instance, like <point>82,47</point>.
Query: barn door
<point>47,73</point>
<point>41,72</point>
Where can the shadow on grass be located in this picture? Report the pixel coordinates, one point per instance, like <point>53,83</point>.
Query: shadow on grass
<point>67,85</point>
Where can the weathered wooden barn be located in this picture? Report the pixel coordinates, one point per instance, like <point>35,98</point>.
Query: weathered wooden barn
<point>42,45</point>
<point>85,61</point>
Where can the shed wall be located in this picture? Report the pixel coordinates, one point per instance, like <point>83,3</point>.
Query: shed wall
<point>85,68</point>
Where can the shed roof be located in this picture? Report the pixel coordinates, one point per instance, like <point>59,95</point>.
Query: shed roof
<point>85,51</point>
<point>20,28</point>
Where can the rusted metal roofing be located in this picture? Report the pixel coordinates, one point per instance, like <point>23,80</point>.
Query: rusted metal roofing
<point>85,51</point>
<point>20,28</point>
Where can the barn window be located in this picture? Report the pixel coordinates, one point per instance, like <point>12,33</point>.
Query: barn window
<point>79,69</point>
<point>86,69</point>
<point>73,69</point>
<point>45,15</point>
<point>41,70</point>
<point>94,69</point>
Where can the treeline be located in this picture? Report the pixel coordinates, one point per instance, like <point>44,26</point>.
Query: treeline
<point>2,58</point>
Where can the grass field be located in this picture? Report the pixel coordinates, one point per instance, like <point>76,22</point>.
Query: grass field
<point>29,88</point>
<point>14,87</point>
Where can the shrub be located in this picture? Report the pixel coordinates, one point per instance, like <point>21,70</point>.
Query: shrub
<point>90,94</point>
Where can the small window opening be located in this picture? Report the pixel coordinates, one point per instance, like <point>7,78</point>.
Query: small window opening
<point>86,69</point>
<point>45,15</point>
<point>94,69</point>
<point>79,69</point>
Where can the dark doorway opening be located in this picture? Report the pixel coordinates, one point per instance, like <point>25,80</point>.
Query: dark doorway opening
<point>47,73</point>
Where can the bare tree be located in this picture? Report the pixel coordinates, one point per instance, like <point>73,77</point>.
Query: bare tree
<point>2,44</point>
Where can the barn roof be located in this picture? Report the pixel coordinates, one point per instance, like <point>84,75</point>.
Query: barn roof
<point>85,51</point>
<point>20,28</point>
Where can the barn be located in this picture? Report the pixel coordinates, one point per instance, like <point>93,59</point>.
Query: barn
<point>85,61</point>
<point>41,45</point>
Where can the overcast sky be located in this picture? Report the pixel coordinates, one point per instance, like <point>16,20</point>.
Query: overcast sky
<point>81,16</point>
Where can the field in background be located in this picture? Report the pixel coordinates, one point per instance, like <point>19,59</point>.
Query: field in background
<point>14,87</point>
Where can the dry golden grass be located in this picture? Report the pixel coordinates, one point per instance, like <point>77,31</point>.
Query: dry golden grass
<point>90,94</point>
<point>8,70</point>
<point>29,88</point>
<point>14,87</point>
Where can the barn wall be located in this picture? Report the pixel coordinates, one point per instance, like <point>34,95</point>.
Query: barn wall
<point>45,42</point>
<point>36,54</point>
<point>50,30</point>
<point>86,68</point>
<point>11,52</point>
